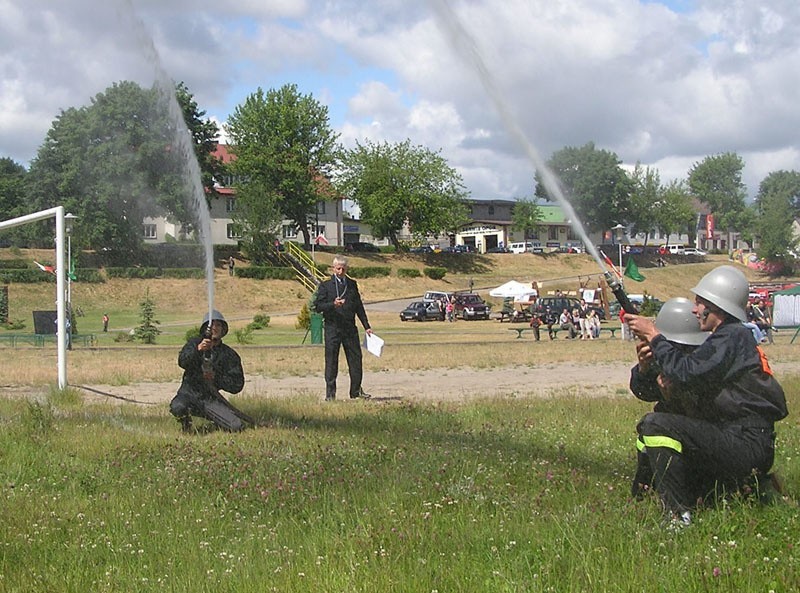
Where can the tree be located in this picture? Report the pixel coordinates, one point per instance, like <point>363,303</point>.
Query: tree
<point>205,134</point>
<point>776,206</point>
<point>593,182</point>
<point>285,150</point>
<point>397,184</point>
<point>645,200</point>
<point>717,182</point>
<point>12,188</point>
<point>676,212</point>
<point>147,331</point>
<point>114,162</point>
<point>526,216</point>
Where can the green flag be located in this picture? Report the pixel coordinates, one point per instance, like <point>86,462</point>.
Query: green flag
<point>632,272</point>
<point>71,272</point>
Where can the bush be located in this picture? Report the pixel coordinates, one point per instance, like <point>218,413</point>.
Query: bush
<point>266,272</point>
<point>244,335</point>
<point>26,276</point>
<point>369,272</point>
<point>435,273</point>
<point>260,321</point>
<point>13,264</point>
<point>408,273</point>
<point>192,273</point>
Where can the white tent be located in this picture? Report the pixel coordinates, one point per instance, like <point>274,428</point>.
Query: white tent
<point>786,311</point>
<point>512,289</point>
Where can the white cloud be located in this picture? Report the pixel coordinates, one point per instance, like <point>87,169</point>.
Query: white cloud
<point>650,83</point>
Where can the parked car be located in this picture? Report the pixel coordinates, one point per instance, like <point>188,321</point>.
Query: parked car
<point>421,311</point>
<point>471,306</point>
<point>363,247</point>
<point>421,249</point>
<point>431,296</point>
<point>457,249</point>
<point>693,251</point>
<point>558,304</point>
<point>497,250</point>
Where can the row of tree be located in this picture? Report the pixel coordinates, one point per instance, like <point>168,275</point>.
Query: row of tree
<point>116,161</point>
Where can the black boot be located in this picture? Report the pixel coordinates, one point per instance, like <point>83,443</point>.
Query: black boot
<point>186,423</point>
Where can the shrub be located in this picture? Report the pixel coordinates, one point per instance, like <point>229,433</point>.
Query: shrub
<point>13,264</point>
<point>266,272</point>
<point>192,273</point>
<point>369,272</point>
<point>244,335</point>
<point>260,321</point>
<point>192,332</point>
<point>303,318</point>
<point>408,273</point>
<point>435,273</point>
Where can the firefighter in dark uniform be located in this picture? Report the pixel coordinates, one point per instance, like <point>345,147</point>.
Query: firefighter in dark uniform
<point>731,376</point>
<point>339,302</point>
<point>208,366</point>
<point>678,324</point>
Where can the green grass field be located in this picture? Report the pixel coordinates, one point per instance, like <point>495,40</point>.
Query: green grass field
<point>512,494</point>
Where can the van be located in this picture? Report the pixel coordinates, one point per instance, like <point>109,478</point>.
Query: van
<point>671,248</point>
<point>431,296</point>
<point>521,247</point>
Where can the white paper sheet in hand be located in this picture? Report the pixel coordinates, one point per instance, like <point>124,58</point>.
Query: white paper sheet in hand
<point>373,344</point>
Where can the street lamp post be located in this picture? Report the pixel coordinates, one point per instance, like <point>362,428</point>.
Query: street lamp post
<point>618,230</point>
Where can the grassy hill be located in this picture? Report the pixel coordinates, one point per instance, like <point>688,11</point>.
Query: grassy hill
<point>185,301</point>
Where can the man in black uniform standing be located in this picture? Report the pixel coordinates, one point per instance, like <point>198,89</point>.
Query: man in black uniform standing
<point>340,303</point>
<point>208,366</point>
<point>730,374</point>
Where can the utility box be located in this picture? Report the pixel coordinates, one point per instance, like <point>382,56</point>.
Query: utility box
<point>316,328</point>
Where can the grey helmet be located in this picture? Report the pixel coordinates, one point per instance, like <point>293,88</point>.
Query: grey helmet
<point>727,288</point>
<point>677,323</point>
<point>215,316</point>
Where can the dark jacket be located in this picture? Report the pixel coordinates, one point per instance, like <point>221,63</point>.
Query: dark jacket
<point>730,370</point>
<point>225,362</point>
<point>344,316</point>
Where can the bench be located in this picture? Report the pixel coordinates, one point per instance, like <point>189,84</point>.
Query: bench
<point>512,317</point>
<point>543,329</point>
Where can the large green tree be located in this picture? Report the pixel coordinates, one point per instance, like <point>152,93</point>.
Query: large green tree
<point>593,182</point>
<point>645,201</point>
<point>397,184</point>
<point>526,216</point>
<point>717,182</point>
<point>12,188</point>
<point>777,207</point>
<point>114,162</point>
<point>285,150</point>
<point>675,210</point>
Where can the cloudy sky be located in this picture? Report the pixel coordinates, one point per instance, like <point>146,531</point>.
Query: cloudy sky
<point>662,83</point>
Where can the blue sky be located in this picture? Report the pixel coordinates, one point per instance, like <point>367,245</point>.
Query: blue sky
<point>661,83</point>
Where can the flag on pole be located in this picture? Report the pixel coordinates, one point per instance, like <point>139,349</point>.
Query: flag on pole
<point>321,240</point>
<point>71,274</point>
<point>632,271</point>
<point>43,268</point>
<point>610,264</point>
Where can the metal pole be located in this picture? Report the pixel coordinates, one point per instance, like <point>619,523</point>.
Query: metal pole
<point>58,213</point>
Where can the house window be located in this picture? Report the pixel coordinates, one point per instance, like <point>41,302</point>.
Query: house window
<point>572,235</point>
<point>150,231</point>
<point>320,230</point>
<point>552,233</point>
<point>230,205</point>
<point>234,231</point>
<point>320,207</point>
<point>289,231</point>
<point>491,210</point>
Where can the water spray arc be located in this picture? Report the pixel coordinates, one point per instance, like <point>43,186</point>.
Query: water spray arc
<point>467,48</point>
<point>184,144</point>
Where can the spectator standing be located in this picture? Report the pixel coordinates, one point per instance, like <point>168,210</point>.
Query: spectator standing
<point>231,265</point>
<point>340,303</point>
<point>105,322</point>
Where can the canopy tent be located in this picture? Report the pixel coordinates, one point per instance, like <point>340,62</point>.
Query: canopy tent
<point>512,289</point>
<point>786,307</point>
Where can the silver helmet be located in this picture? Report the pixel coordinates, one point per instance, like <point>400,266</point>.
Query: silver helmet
<point>727,288</point>
<point>677,323</point>
<point>215,316</point>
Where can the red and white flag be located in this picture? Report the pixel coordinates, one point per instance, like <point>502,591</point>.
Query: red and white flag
<point>43,268</point>
<point>321,240</point>
<point>610,264</point>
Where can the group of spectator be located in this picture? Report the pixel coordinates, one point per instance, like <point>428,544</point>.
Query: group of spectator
<point>582,322</point>
<point>759,321</point>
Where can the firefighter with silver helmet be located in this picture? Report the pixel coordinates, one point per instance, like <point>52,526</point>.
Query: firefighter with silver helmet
<point>732,379</point>
<point>209,366</point>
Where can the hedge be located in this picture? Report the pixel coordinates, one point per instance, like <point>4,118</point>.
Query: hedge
<point>408,273</point>
<point>369,271</point>
<point>14,264</point>
<point>435,273</point>
<point>265,272</point>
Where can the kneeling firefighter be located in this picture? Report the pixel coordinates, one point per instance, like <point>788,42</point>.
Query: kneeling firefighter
<point>208,367</point>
